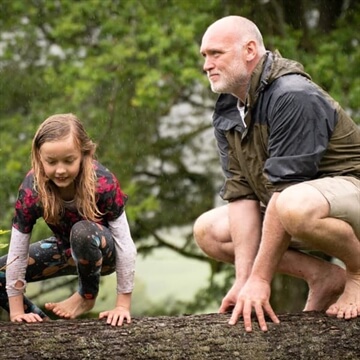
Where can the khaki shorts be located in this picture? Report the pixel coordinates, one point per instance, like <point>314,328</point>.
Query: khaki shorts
<point>343,196</point>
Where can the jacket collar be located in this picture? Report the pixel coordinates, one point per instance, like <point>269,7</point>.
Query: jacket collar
<point>270,67</point>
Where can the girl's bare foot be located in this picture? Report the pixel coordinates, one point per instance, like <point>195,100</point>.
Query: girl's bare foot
<point>72,307</point>
<point>325,289</point>
<point>348,304</point>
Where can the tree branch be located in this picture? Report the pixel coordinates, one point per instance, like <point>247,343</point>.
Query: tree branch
<point>299,336</point>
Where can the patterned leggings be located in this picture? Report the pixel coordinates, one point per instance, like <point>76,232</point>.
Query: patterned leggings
<point>91,254</point>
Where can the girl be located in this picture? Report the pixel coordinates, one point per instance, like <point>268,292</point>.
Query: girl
<point>83,205</point>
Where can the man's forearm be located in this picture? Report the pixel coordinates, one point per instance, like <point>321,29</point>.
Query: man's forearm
<point>245,228</point>
<point>274,242</point>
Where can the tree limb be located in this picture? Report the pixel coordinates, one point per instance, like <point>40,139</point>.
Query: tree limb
<point>299,336</point>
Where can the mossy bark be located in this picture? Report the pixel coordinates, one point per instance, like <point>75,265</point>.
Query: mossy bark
<point>299,336</point>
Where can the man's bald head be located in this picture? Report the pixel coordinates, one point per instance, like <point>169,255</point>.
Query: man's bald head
<point>239,29</point>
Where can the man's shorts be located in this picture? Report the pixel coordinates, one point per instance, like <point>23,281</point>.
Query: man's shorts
<point>343,196</point>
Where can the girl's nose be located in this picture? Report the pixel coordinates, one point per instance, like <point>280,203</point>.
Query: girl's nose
<point>60,170</point>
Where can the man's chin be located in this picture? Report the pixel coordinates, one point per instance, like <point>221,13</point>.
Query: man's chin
<point>218,89</point>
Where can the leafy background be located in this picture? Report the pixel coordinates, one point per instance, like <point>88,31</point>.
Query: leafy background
<point>131,70</point>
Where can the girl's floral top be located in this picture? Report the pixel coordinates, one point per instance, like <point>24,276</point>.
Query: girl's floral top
<point>28,208</point>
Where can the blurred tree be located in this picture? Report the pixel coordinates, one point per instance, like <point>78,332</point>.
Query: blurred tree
<point>131,71</point>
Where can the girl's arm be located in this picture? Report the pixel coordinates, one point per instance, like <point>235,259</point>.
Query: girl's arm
<point>125,254</point>
<point>123,301</point>
<point>125,271</point>
<point>17,262</point>
<point>17,314</point>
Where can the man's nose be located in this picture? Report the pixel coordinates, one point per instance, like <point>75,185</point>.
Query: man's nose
<point>208,64</point>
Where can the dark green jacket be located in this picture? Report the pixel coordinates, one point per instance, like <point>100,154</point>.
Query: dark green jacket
<point>293,131</point>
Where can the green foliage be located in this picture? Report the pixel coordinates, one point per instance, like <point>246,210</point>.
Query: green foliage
<point>2,245</point>
<point>122,66</point>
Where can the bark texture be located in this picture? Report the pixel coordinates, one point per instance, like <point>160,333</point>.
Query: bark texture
<point>299,336</point>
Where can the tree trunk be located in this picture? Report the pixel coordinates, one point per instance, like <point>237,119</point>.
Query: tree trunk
<point>299,336</point>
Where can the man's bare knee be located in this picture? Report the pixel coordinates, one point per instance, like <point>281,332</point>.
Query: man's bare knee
<point>199,231</point>
<point>204,230</point>
<point>299,207</point>
<point>211,233</point>
<point>291,211</point>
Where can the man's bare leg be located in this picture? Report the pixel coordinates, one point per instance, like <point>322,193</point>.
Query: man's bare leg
<point>72,307</point>
<point>348,304</point>
<point>325,280</point>
<point>310,221</point>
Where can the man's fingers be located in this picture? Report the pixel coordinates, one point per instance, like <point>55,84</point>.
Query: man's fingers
<point>259,310</point>
<point>247,316</point>
<point>236,313</point>
<point>225,306</point>
<point>261,317</point>
<point>244,310</point>
<point>271,313</point>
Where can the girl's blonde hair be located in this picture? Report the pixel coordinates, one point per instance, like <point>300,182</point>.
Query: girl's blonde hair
<point>58,127</point>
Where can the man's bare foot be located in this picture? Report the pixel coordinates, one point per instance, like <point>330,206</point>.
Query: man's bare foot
<point>72,307</point>
<point>348,304</point>
<point>325,289</point>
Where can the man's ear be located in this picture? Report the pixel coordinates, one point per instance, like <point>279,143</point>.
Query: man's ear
<point>251,50</point>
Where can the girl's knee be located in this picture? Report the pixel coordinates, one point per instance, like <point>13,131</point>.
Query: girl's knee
<point>91,240</point>
<point>84,230</point>
<point>83,226</point>
<point>83,236</point>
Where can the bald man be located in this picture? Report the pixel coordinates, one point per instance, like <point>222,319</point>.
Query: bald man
<point>291,160</point>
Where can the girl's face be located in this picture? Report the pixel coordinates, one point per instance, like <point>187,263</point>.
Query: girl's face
<point>61,162</point>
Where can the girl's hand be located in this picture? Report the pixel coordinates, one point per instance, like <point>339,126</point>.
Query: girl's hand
<point>117,316</point>
<point>29,318</point>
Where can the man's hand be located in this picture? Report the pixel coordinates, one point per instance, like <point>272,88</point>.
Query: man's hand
<point>229,301</point>
<point>255,294</point>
